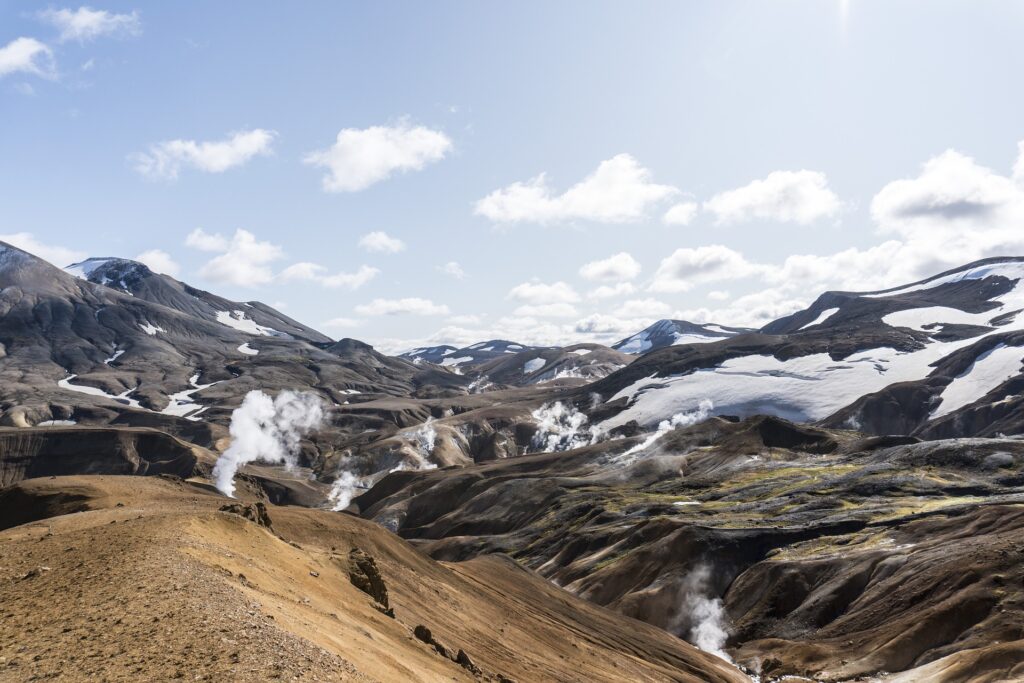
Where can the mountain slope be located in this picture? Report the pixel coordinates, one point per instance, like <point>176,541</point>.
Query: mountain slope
<point>670,332</point>
<point>138,280</point>
<point>941,356</point>
<point>151,579</point>
<point>149,350</point>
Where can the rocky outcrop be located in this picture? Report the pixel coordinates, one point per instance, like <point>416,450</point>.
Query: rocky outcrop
<point>43,452</point>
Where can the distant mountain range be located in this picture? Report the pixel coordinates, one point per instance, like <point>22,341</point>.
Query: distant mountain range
<point>110,340</point>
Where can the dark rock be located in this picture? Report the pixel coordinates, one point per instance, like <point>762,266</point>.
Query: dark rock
<point>364,575</point>
<point>257,512</point>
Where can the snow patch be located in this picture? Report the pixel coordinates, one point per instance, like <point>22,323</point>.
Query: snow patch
<point>987,372</point>
<point>240,321</point>
<point>822,317</point>
<point>248,350</point>
<point>93,391</point>
<point>533,365</point>
<point>150,328</point>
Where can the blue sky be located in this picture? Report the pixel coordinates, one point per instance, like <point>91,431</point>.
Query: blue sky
<point>793,147</point>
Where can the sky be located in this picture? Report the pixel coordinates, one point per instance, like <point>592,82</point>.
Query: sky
<point>411,173</point>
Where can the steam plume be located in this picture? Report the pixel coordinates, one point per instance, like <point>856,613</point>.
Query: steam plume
<point>560,427</point>
<point>702,616</point>
<point>678,420</point>
<point>268,430</point>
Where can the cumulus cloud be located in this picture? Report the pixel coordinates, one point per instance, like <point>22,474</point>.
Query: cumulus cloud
<point>27,55</point>
<point>539,293</point>
<point>561,310</point>
<point>159,261</point>
<point>85,23</point>
<point>951,189</point>
<point>752,310</point>
<point>684,268</point>
<point>718,295</point>
<point>164,160</point>
<point>784,196</point>
<point>611,291</point>
<point>620,190</point>
<point>682,213</point>
<point>452,269</point>
<point>643,308</point>
<point>57,255</point>
<point>244,261</point>
<point>407,306</point>
<point>616,268</point>
<point>379,241</point>
<point>204,241</point>
<point>314,272</point>
<point>360,158</point>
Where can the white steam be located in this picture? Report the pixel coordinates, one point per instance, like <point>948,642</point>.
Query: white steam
<point>560,427</point>
<point>267,430</point>
<point>423,441</point>
<point>685,419</point>
<point>347,485</point>
<point>704,616</point>
<point>344,489</point>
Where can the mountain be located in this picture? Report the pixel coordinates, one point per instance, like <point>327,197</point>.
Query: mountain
<point>671,332</point>
<point>160,579</point>
<point>577,363</point>
<point>468,356</point>
<point>939,357</point>
<point>132,277</point>
<point>798,498</point>
<point>116,342</point>
<point>800,552</point>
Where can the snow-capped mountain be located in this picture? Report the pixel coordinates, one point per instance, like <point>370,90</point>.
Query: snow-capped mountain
<point>671,332</point>
<point>132,277</point>
<point>578,363</point>
<point>467,356</point>
<point>116,341</point>
<point>939,356</point>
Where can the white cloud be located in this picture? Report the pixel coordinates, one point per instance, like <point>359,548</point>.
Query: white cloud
<point>643,308</point>
<point>164,160</point>
<point>408,306</point>
<point>541,293</point>
<point>609,327</point>
<point>314,272</point>
<point>341,323</point>
<point>784,196</point>
<point>546,310</point>
<point>611,291</point>
<point>452,269</point>
<point>379,241</point>
<point>952,190</point>
<point>753,310</point>
<point>245,261</point>
<point>57,255</point>
<point>616,268</point>
<point>681,214</point>
<point>684,268</point>
<point>86,23</point>
<point>360,158</point>
<point>159,261</point>
<point>204,241</point>
<point>27,55</point>
<point>718,295</point>
<point>620,190</point>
